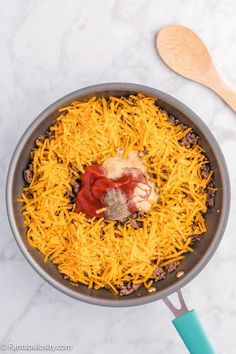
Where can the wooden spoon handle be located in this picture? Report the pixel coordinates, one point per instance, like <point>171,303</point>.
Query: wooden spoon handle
<point>225,92</point>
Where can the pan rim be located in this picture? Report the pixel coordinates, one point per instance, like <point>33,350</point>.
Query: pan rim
<point>126,302</point>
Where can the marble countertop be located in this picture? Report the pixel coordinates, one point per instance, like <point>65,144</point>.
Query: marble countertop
<point>52,47</point>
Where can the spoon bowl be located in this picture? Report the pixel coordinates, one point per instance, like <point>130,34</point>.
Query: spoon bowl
<point>185,53</point>
<point>182,50</point>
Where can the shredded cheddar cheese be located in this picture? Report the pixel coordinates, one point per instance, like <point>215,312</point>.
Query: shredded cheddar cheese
<point>93,251</point>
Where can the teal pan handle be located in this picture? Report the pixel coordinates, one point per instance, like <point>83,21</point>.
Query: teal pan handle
<point>189,327</point>
<point>192,333</point>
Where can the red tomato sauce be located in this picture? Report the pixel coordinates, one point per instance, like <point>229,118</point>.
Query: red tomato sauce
<point>95,184</point>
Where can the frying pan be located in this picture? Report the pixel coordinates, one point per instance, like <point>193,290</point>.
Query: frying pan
<point>186,322</point>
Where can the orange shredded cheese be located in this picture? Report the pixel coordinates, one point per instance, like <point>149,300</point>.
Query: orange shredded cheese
<point>94,252</point>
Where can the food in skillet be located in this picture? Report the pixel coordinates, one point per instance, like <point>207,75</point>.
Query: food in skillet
<point>116,193</point>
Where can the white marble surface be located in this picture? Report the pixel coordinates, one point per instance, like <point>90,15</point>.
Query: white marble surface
<point>51,47</point>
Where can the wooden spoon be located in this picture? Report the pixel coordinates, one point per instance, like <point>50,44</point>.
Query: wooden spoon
<point>184,52</point>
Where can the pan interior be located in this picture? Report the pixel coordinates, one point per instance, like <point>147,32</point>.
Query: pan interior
<point>189,264</point>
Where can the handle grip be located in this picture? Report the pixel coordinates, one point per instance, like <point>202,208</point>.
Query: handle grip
<point>192,333</point>
<point>213,80</point>
<point>225,92</point>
